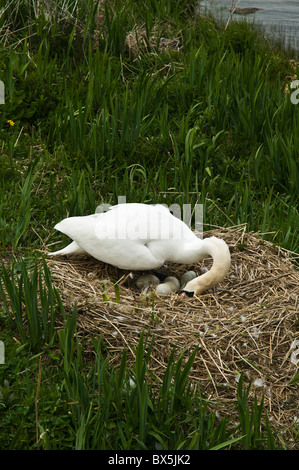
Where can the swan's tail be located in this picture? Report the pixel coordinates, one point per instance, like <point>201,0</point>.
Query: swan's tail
<point>71,249</point>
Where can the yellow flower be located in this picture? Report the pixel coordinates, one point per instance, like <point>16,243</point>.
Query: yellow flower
<point>11,122</point>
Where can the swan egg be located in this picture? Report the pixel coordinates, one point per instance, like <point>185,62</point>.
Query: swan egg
<point>188,276</point>
<point>147,280</point>
<point>171,284</point>
<point>163,289</point>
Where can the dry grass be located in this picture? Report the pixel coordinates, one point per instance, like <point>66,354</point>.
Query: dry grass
<point>246,324</point>
<point>293,76</point>
<point>137,41</point>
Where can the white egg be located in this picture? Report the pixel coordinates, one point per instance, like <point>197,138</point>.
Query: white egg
<point>188,276</point>
<point>147,280</point>
<point>170,284</point>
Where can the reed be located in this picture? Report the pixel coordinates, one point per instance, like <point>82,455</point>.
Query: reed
<point>120,408</point>
<point>31,304</point>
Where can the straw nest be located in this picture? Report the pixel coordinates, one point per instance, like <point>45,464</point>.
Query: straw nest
<point>137,41</point>
<point>247,324</point>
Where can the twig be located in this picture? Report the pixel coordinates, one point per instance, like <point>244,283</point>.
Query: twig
<point>233,8</point>
<point>217,207</point>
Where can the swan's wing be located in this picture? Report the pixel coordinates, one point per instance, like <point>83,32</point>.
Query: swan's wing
<point>130,236</point>
<point>149,222</point>
<point>105,237</point>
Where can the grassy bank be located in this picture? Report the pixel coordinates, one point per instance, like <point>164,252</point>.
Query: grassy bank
<point>150,101</point>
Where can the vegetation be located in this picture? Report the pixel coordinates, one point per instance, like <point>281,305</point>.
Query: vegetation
<point>150,101</point>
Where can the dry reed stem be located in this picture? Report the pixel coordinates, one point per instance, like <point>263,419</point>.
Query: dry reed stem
<point>247,324</point>
<point>137,41</point>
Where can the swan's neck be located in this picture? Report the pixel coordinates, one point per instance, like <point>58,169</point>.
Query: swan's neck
<point>219,251</point>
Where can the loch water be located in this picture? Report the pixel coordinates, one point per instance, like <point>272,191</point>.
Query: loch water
<point>279,19</point>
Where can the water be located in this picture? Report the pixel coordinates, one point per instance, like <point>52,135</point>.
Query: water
<point>279,18</point>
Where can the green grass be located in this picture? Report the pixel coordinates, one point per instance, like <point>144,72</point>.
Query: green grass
<point>210,120</point>
<point>86,121</point>
<point>91,405</point>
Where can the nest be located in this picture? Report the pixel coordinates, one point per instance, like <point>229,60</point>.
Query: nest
<point>248,324</point>
<point>137,41</point>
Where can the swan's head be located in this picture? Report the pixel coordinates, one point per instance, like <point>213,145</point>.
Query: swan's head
<point>219,251</point>
<point>196,287</point>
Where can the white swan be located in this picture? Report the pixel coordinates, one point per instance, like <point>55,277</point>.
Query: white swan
<point>144,237</point>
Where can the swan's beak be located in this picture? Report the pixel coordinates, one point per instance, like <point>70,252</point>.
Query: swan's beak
<point>185,293</point>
